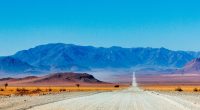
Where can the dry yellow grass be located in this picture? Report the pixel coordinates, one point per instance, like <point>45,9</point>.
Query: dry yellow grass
<point>45,90</point>
<point>185,88</point>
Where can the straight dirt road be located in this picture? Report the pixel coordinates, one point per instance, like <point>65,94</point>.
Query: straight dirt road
<point>131,99</point>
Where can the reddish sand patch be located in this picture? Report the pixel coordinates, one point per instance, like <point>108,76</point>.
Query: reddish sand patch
<point>169,82</point>
<point>173,79</point>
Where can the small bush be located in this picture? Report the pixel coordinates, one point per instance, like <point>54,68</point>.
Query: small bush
<point>6,85</point>
<point>179,89</point>
<point>78,85</point>
<point>62,90</point>
<point>22,91</point>
<point>38,90</point>
<point>1,89</point>
<point>18,89</point>
<point>116,86</point>
<point>195,90</point>
<point>50,89</point>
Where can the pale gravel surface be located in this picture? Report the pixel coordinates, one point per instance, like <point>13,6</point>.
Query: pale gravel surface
<point>193,97</point>
<point>25,102</point>
<point>130,99</point>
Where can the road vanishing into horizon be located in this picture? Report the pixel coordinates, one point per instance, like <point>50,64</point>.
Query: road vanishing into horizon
<point>132,98</point>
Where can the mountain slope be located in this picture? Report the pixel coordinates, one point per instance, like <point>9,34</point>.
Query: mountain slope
<point>192,67</point>
<point>72,57</point>
<point>13,65</point>
<point>67,78</point>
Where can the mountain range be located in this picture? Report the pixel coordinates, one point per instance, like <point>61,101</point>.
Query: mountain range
<point>68,57</point>
<point>11,64</point>
<point>192,67</point>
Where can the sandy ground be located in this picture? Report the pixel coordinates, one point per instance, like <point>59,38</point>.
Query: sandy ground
<point>26,102</point>
<point>130,99</point>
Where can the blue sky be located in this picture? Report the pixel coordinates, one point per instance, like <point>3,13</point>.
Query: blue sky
<point>173,24</point>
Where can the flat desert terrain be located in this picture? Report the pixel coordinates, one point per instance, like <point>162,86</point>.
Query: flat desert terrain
<point>128,99</point>
<point>131,98</point>
<point>169,82</point>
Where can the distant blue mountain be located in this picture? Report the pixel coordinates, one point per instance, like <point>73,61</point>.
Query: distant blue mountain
<point>62,57</point>
<point>13,65</point>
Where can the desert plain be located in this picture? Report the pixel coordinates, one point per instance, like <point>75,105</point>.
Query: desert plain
<point>138,95</point>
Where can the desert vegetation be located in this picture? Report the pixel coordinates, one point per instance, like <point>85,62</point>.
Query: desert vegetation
<point>179,89</point>
<point>195,90</point>
<point>116,86</point>
<point>22,91</point>
<point>78,85</point>
<point>62,90</point>
<point>1,89</point>
<point>6,85</point>
<point>52,90</point>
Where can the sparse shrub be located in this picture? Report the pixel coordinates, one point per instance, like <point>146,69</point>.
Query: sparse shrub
<point>1,89</point>
<point>179,89</point>
<point>195,90</point>
<point>22,91</point>
<point>6,85</point>
<point>38,90</point>
<point>18,89</point>
<point>62,90</point>
<point>50,89</point>
<point>78,85</point>
<point>116,86</point>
